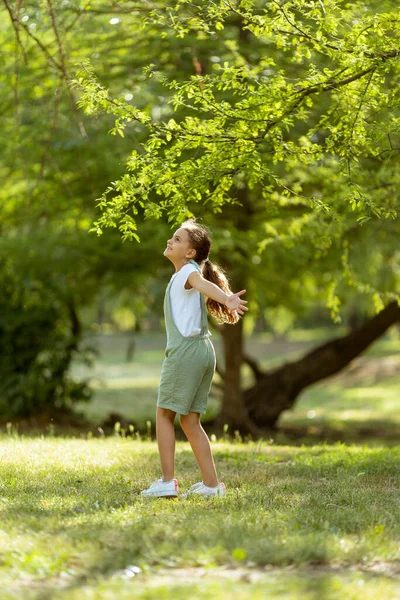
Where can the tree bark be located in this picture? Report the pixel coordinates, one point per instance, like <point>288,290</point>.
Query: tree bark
<point>278,390</point>
<point>234,412</point>
<point>233,409</point>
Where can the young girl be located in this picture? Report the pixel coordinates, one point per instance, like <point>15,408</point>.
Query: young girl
<point>189,363</point>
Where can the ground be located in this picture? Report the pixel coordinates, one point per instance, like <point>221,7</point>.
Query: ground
<point>296,522</point>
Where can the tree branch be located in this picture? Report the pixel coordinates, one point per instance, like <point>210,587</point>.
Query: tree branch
<point>253,364</point>
<point>278,390</point>
<point>15,23</point>
<point>317,88</point>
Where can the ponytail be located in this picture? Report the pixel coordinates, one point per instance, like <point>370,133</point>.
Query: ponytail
<point>216,274</point>
<point>200,241</point>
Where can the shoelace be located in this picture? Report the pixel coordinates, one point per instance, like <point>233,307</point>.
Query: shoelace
<point>196,485</point>
<point>155,483</point>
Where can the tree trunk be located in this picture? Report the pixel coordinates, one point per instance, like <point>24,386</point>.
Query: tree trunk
<point>277,391</point>
<point>234,411</point>
<point>71,346</point>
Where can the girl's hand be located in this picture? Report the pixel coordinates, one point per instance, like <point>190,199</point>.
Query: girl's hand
<point>236,304</point>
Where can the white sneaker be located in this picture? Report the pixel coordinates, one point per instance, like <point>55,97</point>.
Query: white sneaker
<point>200,489</point>
<point>161,488</point>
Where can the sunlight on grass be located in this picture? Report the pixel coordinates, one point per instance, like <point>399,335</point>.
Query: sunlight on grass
<point>333,403</point>
<point>242,585</point>
<point>72,516</point>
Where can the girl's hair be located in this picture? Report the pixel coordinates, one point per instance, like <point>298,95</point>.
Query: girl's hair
<point>199,239</point>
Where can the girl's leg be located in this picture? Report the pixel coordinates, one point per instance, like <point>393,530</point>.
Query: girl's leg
<point>201,447</point>
<point>166,441</point>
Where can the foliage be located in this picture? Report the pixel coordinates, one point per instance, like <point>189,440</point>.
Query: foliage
<point>39,338</point>
<point>251,135</point>
<point>52,166</point>
<point>303,114</point>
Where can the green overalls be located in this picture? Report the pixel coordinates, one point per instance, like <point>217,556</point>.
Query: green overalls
<point>189,364</point>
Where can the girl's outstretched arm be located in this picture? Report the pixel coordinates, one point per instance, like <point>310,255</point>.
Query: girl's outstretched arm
<point>232,302</point>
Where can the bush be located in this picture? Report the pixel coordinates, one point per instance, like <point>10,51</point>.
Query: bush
<point>39,336</point>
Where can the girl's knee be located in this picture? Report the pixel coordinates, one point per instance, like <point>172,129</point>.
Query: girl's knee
<point>190,422</point>
<point>166,413</point>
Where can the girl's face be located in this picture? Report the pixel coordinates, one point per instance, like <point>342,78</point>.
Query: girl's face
<point>178,247</point>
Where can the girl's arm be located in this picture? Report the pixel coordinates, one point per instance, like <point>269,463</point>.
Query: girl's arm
<point>232,302</point>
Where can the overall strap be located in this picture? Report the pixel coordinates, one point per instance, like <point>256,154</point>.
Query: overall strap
<point>173,333</point>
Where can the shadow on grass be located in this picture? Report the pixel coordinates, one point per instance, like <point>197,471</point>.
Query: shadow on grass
<point>372,432</point>
<point>283,507</point>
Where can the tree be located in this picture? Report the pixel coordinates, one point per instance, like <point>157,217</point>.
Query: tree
<point>272,123</point>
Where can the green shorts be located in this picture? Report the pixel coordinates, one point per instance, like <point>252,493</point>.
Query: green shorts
<point>186,376</point>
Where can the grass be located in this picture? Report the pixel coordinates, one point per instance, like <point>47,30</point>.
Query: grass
<point>297,522</point>
<point>363,413</point>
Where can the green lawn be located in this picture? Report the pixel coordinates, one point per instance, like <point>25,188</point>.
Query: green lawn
<point>297,522</point>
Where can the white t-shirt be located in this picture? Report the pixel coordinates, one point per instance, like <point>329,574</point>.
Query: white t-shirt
<point>185,304</point>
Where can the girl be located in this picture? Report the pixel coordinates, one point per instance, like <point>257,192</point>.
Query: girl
<point>189,362</point>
